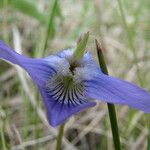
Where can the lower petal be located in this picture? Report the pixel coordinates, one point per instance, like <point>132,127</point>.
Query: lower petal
<point>113,90</point>
<point>57,113</point>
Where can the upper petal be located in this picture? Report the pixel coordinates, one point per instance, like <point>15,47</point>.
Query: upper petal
<point>86,60</point>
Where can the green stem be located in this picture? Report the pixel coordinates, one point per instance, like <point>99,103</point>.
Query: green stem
<point>114,126</point>
<point>59,137</point>
<point>111,107</point>
<point>3,138</point>
<point>148,137</point>
<point>50,24</point>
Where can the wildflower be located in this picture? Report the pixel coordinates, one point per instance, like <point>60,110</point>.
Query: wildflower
<point>68,86</point>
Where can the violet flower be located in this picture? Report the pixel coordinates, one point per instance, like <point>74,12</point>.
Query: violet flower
<point>67,87</point>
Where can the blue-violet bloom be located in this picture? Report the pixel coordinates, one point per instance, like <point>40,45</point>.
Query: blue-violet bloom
<point>67,87</point>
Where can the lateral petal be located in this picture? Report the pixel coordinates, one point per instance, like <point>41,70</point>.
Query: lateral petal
<point>117,91</point>
<point>39,69</point>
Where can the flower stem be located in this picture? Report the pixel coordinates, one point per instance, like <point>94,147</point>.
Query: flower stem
<point>3,139</point>
<point>148,137</point>
<point>111,107</point>
<point>59,137</point>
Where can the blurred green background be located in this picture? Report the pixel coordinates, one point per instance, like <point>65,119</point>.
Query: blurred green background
<point>42,27</point>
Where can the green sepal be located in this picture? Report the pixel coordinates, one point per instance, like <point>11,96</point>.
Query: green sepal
<point>81,46</point>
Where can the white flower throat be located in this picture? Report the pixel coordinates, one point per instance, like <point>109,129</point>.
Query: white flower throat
<point>66,86</point>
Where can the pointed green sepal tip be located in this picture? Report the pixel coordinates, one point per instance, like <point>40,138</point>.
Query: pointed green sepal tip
<point>81,46</point>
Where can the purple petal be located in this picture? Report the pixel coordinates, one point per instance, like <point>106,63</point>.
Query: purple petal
<point>57,113</point>
<point>40,70</point>
<point>8,54</point>
<point>113,90</point>
<point>68,55</point>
